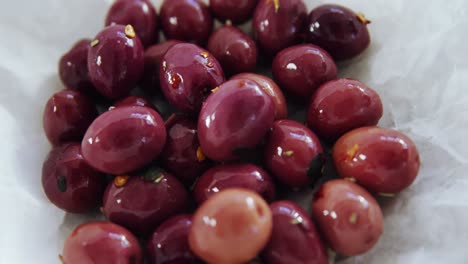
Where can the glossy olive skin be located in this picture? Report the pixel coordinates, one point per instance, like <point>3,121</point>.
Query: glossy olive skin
<point>67,116</point>
<point>230,227</point>
<point>69,182</point>
<point>338,30</point>
<point>350,219</point>
<point>73,68</point>
<point>271,88</point>
<point>188,74</point>
<point>101,243</point>
<point>245,176</point>
<point>234,49</point>
<point>276,29</point>
<point>138,13</point>
<point>301,69</point>
<point>293,154</point>
<point>382,160</point>
<point>115,62</point>
<point>236,11</point>
<point>235,117</point>
<point>294,238</point>
<point>186,20</point>
<point>179,155</point>
<point>141,204</point>
<point>169,243</point>
<point>124,139</point>
<point>342,105</point>
<point>153,58</point>
<point>135,101</point>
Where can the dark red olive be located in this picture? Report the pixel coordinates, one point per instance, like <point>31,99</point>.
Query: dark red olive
<point>338,30</point>
<point>73,68</point>
<point>69,182</point>
<point>300,70</point>
<point>382,160</point>
<point>115,61</point>
<point>236,11</point>
<point>272,89</point>
<point>234,118</point>
<point>124,139</point>
<point>101,243</point>
<point>169,243</point>
<point>140,203</point>
<point>294,239</point>
<point>182,154</point>
<point>342,105</point>
<point>293,154</point>
<point>245,176</point>
<point>186,20</point>
<point>188,74</point>
<point>138,13</point>
<point>135,101</point>
<point>67,116</point>
<point>153,58</point>
<point>349,218</point>
<point>279,24</point>
<point>234,49</point>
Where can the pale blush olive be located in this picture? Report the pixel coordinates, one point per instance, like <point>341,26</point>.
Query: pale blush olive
<point>101,243</point>
<point>384,161</point>
<point>338,30</point>
<point>279,24</point>
<point>116,61</point>
<point>350,219</point>
<point>342,105</point>
<point>138,13</point>
<point>300,70</point>
<point>293,154</point>
<point>67,116</point>
<point>124,139</point>
<point>69,182</point>
<point>188,73</point>
<point>234,118</point>
<point>227,176</point>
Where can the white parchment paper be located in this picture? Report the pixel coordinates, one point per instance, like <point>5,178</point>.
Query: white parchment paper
<point>418,62</point>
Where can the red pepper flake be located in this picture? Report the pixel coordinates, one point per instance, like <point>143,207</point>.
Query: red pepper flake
<point>120,181</point>
<point>205,54</point>
<point>363,19</point>
<point>200,155</point>
<point>175,80</point>
<point>130,31</point>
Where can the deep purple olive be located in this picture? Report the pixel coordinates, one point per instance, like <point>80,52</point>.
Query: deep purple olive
<point>342,105</point>
<point>235,117</point>
<point>73,68</point>
<point>135,101</point>
<point>186,20</point>
<point>236,11</point>
<point>153,58</point>
<point>115,61</point>
<point>140,203</point>
<point>69,182</point>
<point>188,73</point>
<point>67,116</point>
<point>124,139</point>
<point>294,239</point>
<point>293,154</point>
<point>279,24</point>
<point>101,243</point>
<point>272,89</point>
<point>182,154</point>
<point>234,49</point>
<point>245,176</point>
<point>138,13</point>
<point>300,70</point>
<point>339,30</point>
<point>169,243</point>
